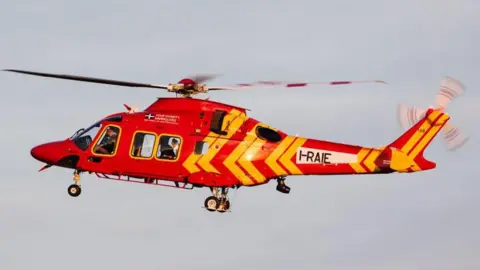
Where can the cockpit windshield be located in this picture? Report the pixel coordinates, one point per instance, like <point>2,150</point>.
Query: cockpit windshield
<point>84,137</point>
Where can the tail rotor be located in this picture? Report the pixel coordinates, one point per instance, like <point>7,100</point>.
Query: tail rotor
<point>450,89</point>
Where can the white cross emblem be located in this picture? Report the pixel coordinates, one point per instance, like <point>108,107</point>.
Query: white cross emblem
<point>149,116</point>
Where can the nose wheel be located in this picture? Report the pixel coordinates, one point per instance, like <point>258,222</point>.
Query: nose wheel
<point>75,190</point>
<point>218,201</point>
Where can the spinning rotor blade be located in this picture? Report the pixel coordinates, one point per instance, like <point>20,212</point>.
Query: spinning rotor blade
<point>202,78</point>
<point>450,89</point>
<point>88,79</point>
<point>271,84</point>
<point>409,115</point>
<point>453,137</point>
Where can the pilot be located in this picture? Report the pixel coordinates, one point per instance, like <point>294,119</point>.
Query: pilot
<point>107,145</point>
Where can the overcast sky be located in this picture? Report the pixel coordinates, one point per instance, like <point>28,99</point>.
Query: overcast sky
<point>427,220</point>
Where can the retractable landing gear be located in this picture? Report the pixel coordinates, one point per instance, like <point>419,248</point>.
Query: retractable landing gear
<point>219,201</point>
<point>281,187</point>
<point>74,190</point>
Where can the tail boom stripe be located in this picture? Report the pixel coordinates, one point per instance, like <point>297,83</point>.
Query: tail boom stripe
<point>430,135</point>
<point>418,134</point>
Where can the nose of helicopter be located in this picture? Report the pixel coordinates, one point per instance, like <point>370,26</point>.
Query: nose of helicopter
<point>48,152</point>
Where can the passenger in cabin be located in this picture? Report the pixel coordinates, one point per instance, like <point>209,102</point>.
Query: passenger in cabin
<point>108,143</point>
<point>175,146</point>
<point>170,151</point>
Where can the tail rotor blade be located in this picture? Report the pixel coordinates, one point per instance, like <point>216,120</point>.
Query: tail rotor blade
<point>453,137</point>
<point>450,89</point>
<point>408,115</point>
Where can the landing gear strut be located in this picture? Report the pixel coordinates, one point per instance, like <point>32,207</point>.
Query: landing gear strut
<point>281,187</point>
<point>219,201</point>
<point>74,190</point>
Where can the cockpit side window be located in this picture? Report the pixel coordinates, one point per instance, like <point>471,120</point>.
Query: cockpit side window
<point>108,141</point>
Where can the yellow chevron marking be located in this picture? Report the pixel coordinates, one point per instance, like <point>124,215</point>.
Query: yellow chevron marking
<point>271,160</point>
<point>418,134</point>
<point>429,136</point>
<point>285,159</point>
<point>189,163</point>
<point>370,160</point>
<point>245,160</point>
<point>230,163</point>
<point>356,166</point>
<point>236,119</point>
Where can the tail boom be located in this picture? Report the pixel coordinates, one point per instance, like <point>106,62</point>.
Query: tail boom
<point>405,154</point>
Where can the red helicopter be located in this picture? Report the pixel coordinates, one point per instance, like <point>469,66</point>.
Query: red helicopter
<point>188,143</point>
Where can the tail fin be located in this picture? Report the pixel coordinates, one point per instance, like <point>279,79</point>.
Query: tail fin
<point>407,155</point>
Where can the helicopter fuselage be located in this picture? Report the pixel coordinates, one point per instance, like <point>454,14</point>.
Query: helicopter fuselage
<point>218,145</point>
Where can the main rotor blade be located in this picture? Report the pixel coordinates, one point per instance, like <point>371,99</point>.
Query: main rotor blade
<point>87,79</point>
<point>450,89</point>
<point>202,78</point>
<point>272,84</point>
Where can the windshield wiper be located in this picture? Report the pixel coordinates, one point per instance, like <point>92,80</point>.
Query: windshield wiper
<point>76,133</point>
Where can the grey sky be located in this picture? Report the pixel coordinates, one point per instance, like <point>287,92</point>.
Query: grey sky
<point>422,221</point>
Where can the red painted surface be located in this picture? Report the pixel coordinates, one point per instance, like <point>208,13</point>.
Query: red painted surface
<point>189,119</point>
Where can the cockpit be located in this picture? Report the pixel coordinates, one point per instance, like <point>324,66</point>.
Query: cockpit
<point>83,138</point>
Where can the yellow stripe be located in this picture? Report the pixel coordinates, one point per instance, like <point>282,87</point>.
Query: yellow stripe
<point>236,153</point>
<point>286,158</point>
<point>189,163</point>
<point>271,160</point>
<point>202,160</point>
<point>429,136</point>
<point>248,156</point>
<point>370,160</point>
<point>236,171</point>
<point>418,134</point>
<point>356,166</point>
<point>236,118</point>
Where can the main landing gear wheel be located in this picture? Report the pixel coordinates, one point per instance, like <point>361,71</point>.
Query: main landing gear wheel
<point>224,206</point>
<point>74,190</point>
<point>212,203</point>
<point>219,201</point>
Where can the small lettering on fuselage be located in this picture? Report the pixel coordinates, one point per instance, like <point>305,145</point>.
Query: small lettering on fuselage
<point>317,156</point>
<point>313,157</point>
<point>162,118</point>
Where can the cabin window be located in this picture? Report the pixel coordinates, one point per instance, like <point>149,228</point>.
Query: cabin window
<point>216,124</point>
<point>169,147</point>
<point>201,148</point>
<point>268,134</point>
<point>108,141</point>
<point>142,145</point>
